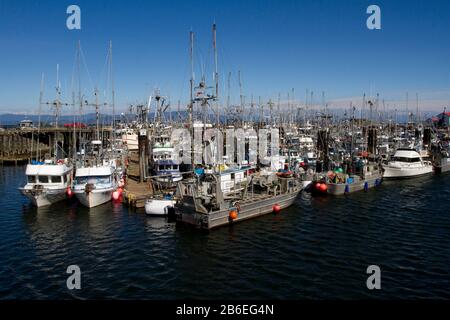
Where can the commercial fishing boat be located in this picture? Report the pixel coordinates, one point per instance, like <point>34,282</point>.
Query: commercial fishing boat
<point>370,176</point>
<point>407,163</point>
<point>130,139</point>
<point>96,178</point>
<point>167,169</point>
<point>206,204</point>
<point>47,182</point>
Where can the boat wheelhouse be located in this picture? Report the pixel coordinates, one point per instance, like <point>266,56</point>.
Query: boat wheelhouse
<point>95,185</point>
<point>47,182</point>
<point>407,163</point>
<point>167,169</point>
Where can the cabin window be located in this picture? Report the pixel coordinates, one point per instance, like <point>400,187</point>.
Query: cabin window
<point>102,179</point>
<point>404,159</point>
<point>43,179</point>
<point>56,179</point>
<point>31,179</point>
<point>80,180</point>
<point>175,167</point>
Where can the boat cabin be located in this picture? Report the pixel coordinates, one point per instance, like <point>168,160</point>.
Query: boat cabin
<point>406,155</point>
<point>45,174</point>
<point>25,124</point>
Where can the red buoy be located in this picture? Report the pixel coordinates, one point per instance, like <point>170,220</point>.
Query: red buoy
<point>317,186</point>
<point>69,192</point>
<point>276,208</point>
<point>323,187</point>
<point>115,195</point>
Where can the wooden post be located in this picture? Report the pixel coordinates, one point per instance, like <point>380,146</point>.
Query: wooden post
<point>143,145</point>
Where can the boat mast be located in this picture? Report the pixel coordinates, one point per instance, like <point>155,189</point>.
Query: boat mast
<point>80,98</point>
<point>41,95</point>
<point>110,55</point>
<point>216,74</point>
<point>417,108</point>
<point>228,97</point>
<point>191,102</point>
<point>241,111</point>
<point>97,114</point>
<point>57,104</point>
<point>57,108</point>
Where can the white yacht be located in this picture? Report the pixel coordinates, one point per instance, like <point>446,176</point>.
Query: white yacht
<point>47,182</point>
<point>407,163</point>
<point>95,185</point>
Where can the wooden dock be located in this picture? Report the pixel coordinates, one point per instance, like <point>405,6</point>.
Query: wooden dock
<point>21,145</point>
<point>135,192</point>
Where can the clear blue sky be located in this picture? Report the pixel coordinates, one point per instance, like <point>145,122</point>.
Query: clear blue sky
<point>277,45</point>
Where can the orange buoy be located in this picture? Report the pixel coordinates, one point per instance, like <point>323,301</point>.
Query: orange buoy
<point>233,215</point>
<point>323,187</point>
<point>276,208</point>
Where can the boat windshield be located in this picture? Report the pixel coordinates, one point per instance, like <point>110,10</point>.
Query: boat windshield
<point>404,159</point>
<point>93,180</point>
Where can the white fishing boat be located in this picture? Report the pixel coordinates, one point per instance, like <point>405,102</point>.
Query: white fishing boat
<point>407,163</point>
<point>47,182</point>
<point>130,139</point>
<point>95,185</point>
<point>159,207</point>
<point>311,159</point>
<point>166,168</point>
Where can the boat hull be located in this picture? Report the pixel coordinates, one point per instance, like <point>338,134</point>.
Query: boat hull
<point>399,173</point>
<point>94,198</point>
<point>443,166</point>
<point>44,197</point>
<point>343,188</point>
<point>157,207</point>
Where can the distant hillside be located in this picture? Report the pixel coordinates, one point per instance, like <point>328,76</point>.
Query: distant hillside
<point>11,119</point>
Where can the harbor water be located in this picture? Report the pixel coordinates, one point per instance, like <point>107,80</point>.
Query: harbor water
<point>319,248</point>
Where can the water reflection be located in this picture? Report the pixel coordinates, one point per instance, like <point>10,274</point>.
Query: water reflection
<point>318,248</point>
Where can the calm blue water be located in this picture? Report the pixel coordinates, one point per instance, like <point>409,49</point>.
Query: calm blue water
<point>319,248</point>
